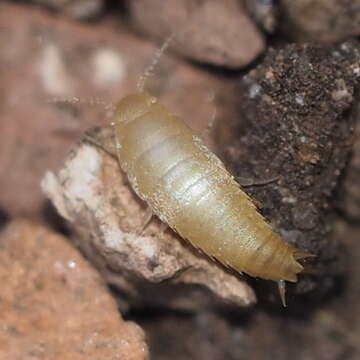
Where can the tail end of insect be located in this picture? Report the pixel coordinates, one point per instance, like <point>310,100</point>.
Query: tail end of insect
<point>282,291</point>
<point>296,265</point>
<point>299,255</point>
<point>294,268</point>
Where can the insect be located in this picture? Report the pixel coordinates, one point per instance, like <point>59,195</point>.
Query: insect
<point>189,189</point>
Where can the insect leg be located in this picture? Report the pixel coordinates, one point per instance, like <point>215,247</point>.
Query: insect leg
<point>211,122</point>
<point>282,290</point>
<point>248,182</point>
<point>163,228</point>
<point>102,138</point>
<point>146,221</point>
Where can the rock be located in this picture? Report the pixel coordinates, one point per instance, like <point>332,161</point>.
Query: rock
<point>54,305</point>
<point>327,21</point>
<point>215,32</point>
<point>155,268</point>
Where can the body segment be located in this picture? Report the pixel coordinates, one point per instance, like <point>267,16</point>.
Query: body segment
<point>188,187</point>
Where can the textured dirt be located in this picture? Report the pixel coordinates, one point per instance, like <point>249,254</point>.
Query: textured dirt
<point>54,305</point>
<point>295,130</point>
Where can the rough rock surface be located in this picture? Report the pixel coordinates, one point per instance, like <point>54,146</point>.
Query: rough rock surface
<point>151,269</point>
<point>211,31</point>
<point>45,59</point>
<point>321,20</point>
<point>54,305</point>
<point>295,130</point>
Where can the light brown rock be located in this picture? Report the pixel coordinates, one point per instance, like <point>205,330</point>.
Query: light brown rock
<point>54,306</point>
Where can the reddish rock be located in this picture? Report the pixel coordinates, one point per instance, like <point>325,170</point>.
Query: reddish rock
<point>215,32</point>
<point>54,305</point>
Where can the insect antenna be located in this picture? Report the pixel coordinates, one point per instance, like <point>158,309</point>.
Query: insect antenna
<point>149,71</point>
<point>160,51</point>
<point>108,106</point>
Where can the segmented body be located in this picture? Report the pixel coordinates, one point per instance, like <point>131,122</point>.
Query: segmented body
<point>188,188</point>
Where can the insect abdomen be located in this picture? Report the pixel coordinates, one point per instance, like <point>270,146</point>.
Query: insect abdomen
<point>188,187</point>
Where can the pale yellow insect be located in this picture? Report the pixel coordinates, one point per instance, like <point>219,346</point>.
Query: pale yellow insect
<point>188,188</point>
